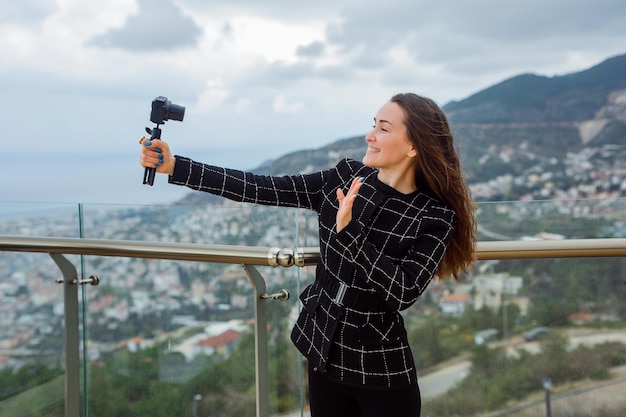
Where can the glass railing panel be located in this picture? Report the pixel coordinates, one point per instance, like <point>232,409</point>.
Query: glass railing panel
<point>486,346</point>
<point>170,338</point>
<point>286,389</point>
<point>31,336</point>
<point>32,312</point>
<point>177,338</point>
<point>287,370</point>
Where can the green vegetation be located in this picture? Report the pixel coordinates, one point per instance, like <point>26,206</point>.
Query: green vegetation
<point>26,378</point>
<point>39,399</point>
<point>497,379</point>
<point>157,383</point>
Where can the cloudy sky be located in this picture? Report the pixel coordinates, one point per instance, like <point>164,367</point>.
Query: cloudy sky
<point>258,78</point>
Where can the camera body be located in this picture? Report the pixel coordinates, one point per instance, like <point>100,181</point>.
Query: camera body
<point>163,109</point>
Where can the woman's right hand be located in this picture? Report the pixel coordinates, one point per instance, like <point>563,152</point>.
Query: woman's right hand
<point>344,213</point>
<point>156,154</point>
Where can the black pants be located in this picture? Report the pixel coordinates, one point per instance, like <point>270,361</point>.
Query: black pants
<point>331,399</point>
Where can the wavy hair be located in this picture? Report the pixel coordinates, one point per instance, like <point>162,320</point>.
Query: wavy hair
<point>438,170</point>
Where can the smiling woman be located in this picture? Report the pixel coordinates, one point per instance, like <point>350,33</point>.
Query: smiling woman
<point>387,227</point>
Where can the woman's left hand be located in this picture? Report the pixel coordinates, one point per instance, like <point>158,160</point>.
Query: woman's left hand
<point>156,154</point>
<point>344,213</point>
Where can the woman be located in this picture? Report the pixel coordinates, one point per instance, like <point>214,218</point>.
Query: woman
<point>387,226</point>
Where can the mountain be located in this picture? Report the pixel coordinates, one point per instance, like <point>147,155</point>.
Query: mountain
<point>526,123</point>
<point>532,116</point>
<point>530,98</point>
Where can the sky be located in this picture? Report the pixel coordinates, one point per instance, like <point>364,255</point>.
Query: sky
<point>258,78</point>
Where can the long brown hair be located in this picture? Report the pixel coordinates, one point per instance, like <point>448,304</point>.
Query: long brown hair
<point>438,170</point>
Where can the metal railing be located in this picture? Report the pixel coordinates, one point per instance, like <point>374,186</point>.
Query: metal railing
<point>249,257</point>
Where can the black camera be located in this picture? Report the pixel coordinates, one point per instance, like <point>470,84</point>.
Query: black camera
<point>163,109</point>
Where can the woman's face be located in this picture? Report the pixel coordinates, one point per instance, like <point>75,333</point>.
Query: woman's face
<point>388,145</point>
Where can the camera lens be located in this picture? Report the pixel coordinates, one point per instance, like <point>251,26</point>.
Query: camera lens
<point>175,112</point>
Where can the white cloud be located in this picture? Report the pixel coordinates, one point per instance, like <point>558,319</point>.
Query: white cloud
<point>271,39</point>
<point>212,97</point>
<point>282,104</point>
<point>155,25</point>
<point>26,12</point>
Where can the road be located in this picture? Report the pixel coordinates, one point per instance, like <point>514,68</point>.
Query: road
<point>441,380</point>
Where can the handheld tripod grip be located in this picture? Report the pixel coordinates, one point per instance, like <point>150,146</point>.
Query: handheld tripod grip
<point>148,176</point>
<point>149,173</point>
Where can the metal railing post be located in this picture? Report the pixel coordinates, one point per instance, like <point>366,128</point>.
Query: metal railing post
<point>260,341</point>
<point>72,358</point>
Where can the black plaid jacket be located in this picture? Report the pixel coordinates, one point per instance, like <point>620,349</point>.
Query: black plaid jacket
<point>350,326</point>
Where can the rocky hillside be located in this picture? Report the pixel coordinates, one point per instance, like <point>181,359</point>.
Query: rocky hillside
<point>507,127</point>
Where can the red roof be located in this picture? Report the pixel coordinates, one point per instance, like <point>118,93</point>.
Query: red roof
<point>229,336</point>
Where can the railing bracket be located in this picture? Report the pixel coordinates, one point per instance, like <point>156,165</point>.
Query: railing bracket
<point>92,280</point>
<point>282,295</point>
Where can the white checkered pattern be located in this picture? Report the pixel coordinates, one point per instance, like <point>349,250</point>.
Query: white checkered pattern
<point>386,256</point>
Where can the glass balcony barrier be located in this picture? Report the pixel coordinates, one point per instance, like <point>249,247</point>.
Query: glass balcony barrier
<point>178,311</point>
